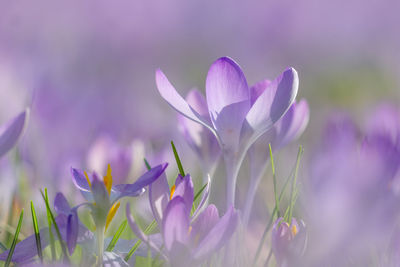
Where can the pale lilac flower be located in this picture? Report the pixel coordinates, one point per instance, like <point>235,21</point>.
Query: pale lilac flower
<point>288,241</point>
<point>236,120</point>
<point>351,199</point>
<point>106,150</point>
<point>11,132</point>
<point>186,238</point>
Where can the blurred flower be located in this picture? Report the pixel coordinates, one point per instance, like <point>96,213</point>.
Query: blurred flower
<point>186,237</point>
<point>105,150</point>
<point>11,131</point>
<point>288,241</point>
<point>237,120</point>
<point>352,186</point>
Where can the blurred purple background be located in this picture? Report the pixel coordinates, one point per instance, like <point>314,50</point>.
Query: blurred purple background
<point>87,67</point>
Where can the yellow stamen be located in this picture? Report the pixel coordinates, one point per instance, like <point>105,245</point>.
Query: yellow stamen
<point>190,230</point>
<point>87,179</point>
<point>111,214</point>
<point>294,230</point>
<point>108,179</point>
<point>172,192</point>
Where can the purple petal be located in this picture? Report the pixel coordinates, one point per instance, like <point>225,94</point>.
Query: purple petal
<point>204,223</point>
<point>175,224</point>
<point>80,180</point>
<point>257,90</point>
<point>184,189</point>
<point>293,123</point>
<point>159,197</point>
<point>11,131</point>
<point>273,103</point>
<point>26,249</point>
<point>228,99</point>
<point>219,234</point>
<point>137,187</point>
<point>61,204</point>
<point>99,191</point>
<point>72,231</point>
<point>168,92</point>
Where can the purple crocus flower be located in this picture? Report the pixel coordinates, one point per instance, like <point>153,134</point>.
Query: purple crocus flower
<point>353,179</point>
<point>288,241</point>
<point>201,140</point>
<point>106,150</point>
<point>11,131</point>
<point>26,250</point>
<point>237,120</point>
<point>287,129</point>
<point>186,238</point>
<point>103,198</point>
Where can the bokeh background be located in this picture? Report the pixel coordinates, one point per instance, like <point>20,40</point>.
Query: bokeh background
<point>86,68</point>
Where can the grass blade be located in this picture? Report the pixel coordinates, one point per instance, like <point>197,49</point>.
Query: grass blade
<point>292,194</point>
<point>271,219</point>
<point>53,220</point>
<point>116,236</point>
<point>14,243</point>
<point>274,179</point>
<point>147,164</point>
<point>178,160</point>
<point>51,236</point>
<point>37,235</point>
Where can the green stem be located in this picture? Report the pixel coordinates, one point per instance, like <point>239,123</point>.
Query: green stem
<point>100,245</point>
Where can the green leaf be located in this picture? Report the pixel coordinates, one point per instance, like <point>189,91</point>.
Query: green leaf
<point>178,160</point>
<point>63,247</point>
<point>51,236</point>
<point>147,164</point>
<point>294,184</point>
<point>37,234</point>
<point>274,179</point>
<point>3,247</point>
<point>14,243</point>
<point>116,236</point>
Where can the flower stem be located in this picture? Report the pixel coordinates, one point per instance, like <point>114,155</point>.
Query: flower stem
<point>100,245</point>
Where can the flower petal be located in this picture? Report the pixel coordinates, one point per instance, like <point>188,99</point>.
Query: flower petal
<point>219,234</point>
<point>137,187</point>
<point>204,198</point>
<point>204,223</point>
<point>184,189</point>
<point>272,104</point>
<point>61,204</point>
<point>168,92</point>
<point>11,131</point>
<point>228,99</point>
<point>26,249</point>
<point>72,231</point>
<point>293,123</point>
<point>175,224</point>
<point>159,197</point>
<point>80,180</point>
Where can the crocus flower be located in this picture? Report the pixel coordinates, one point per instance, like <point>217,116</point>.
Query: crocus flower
<point>26,250</point>
<point>236,120</point>
<point>288,241</point>
<point>201,140</point>
<point>11,131</point>
<point>106,150</point>
<point>287,129</point>
<point>351,186</point>
<point>186,238</point>
<point>103,198</point>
